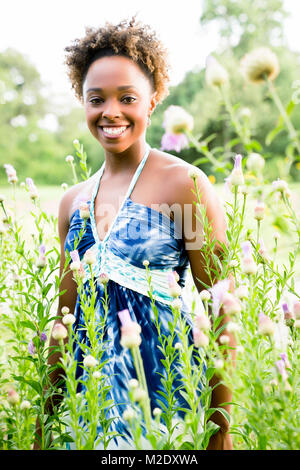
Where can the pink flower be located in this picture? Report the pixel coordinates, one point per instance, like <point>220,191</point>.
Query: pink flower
<point>230,304</point>
<point>41,262</point>
<point>174,287</point>
<point>76,264</point>
<point>285,360</point>
<point>130,330</point>
<point>200,338</point>
<point>280,365</point>
<point>11,173</point>
<point>217,291</point>
<point>33,192</point>
<point>174,142</point>
<point>265,325</point>
<point>202,322</point>
<point>296,308</point>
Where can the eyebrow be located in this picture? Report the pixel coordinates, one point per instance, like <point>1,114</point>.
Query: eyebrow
<point>123,87</point>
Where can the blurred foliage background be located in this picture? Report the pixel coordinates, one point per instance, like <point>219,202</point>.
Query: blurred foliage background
<point>36,135</point>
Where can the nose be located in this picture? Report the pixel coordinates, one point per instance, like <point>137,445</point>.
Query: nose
<point>111,109</point>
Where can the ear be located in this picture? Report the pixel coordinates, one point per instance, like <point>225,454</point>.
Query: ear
<point>153,103</point>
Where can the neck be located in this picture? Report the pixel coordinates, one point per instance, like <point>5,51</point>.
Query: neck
<point>127,160</point>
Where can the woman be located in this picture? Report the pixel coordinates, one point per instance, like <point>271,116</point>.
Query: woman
<point>141,204</point>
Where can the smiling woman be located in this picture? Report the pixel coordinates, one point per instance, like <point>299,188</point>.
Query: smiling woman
<point>120,74</point>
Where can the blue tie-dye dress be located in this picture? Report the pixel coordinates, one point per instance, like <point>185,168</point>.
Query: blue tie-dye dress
<point>138,233</point>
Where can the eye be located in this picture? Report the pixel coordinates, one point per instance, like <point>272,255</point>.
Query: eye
<point>129,99</point>
<point>95,100</point>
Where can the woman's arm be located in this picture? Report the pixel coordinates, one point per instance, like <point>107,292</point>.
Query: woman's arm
<point>67,299</point>
<point>194,240</point>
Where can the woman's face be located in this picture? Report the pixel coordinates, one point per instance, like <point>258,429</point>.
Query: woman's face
<point>117,100</point>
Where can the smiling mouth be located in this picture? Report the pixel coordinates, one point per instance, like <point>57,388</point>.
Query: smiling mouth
<point>113,131</point>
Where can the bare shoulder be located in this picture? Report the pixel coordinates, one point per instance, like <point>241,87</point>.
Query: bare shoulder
<point>176,174</point>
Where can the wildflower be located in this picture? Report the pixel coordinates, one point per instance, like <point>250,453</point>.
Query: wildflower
<point>90,361</point>
<point>75,265</point>
<point>41,261</point>
<point>218,290</point>
<point>260,64</point>
<point>69,159</point>
<point>242,292</point>
<point>133,383</point>
<point>205,295</point>
<point>265,325</point>
<point>89,257</point>
<point>146,263</point>
<point>202,322</point>
<point>285,360</point>
<point>157,412</point>
<point>224,339</point>
<point>68,319</point>
<point>176,303</point>
<point>25,405</point>
<point>280,366</point>
<point>232,327</point>
<point>230,304</point>
<point>59,332</point>
<point>218,364</point>
<point>237,177</point>
<point>33,192</point>
<point>103,278</point>
<point>215,73</point>
<point>139,394</point>
<point>178,346</point>
<point>31,348</point>
<point>296,309</point>
<point>200,339</point>
<point>280,185</point>
<point>288,315</point>
<point>175,142</point>
<point>174,287</point>
<point>84,210</point>
<point>43,337</point>
<point>130,330</point>
<point>245,112</point>
<point>2,198</point>
<point>13,397</point>
<point>129,414</point>
<point>248,264</point>
<point>177,120</point>
<point>262,250</point>
<point>259,210</point>
<point>255,162</point>
<point>193,172</point>
<point>64,186</point>
<point>97,374</point>
<point>11,173</point>
<point>65,310</point>
<point>75,142</point>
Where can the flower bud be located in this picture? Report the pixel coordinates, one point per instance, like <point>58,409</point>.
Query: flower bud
<point>259,210</point>
<point>13,397</point>
<point>139,394</point>
<point>84,210</point>
<point>224,339</point>
<point>68,319</point>
<point>266,326</point>
<point>90,361</point>
<point>205,295</point>
<point>215,73</point>
<point>59,332</point>
<point>25,405</point>
<point>65,310</point>
<point>89,257</point>
<point>157,412</point>
<point>231,305</point>
<point>174,287</point>
<point>242,292</point>
<point>69,159</point>
<point>296,308</point>
<point>146,263</point>
<point>129,414</point>
<point>200,338</point>
<point>103,279</point>
<point>202,322</point>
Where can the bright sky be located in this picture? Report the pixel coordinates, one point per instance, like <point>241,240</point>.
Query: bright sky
<point>41,29</point>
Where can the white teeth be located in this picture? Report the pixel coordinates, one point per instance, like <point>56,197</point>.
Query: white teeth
<point>114,130</point>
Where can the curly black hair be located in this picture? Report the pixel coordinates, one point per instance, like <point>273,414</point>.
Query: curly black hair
<point>129,38</point>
